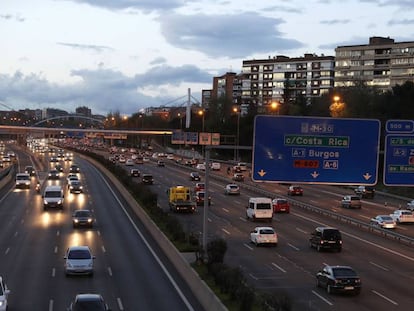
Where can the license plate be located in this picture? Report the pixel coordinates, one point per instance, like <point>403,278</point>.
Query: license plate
<point>348,287</point>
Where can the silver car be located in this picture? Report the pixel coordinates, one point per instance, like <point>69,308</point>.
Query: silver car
<point>79,260</point>
<point>384,221</point>
<point>232,189</point>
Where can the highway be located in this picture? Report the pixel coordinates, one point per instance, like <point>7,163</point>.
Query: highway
<point>129,270</point>
<point>384,265</point>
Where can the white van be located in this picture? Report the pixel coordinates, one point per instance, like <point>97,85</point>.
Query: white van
<point>23,180</point>
<point>243,166</point>
<point>215,166</point>
<point>260,209</point>
<point>53,197</point>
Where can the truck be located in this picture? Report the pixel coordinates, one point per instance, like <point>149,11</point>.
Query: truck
<point>180,199</point>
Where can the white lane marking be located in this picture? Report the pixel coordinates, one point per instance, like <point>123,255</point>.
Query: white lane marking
<point>226,210</point>
<point>16,234</point>
<point>57,233</point>
<point>99,233</point>
<point>301,230</point>
<point>53,272</point>
<point>248,246</point>
<point>120,306</point>
<point>50,305</point>
<point>56,249</point>
<point>243,219</point>
<point>378,266</point>
<point>294,247</point>
<point>225,231</point>
<point>385,297</point>
<point>109,271</point>
<point>7,251</point>
<point>103,249</point>
<point>280,268</point>
<point>322,298</point>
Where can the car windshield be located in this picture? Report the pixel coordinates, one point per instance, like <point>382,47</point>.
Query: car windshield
<point>233,187</point>
<point>344,272</point>
<point>82,214</point>
<point>386,218</point>
<point>89,305</point>
<point>266,231</point>
<point>263,206</point>
<point>53,194</point>
<point>281,201</point>
<point>22,177</point>
<point>79,254</point>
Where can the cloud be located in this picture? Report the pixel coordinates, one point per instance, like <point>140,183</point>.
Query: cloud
<point>401,4</point>
<point>143,5</point>
<point>95,48</point>
<point>102,90</point>
<point>352,41</point>
<point>226,35</point>
<point>335,21</point>
<point>401,22</point>
<point>158,60</point>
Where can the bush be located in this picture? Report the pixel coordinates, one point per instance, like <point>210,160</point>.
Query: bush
<point>216,249</point>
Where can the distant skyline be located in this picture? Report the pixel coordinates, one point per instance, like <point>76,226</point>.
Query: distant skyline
<point>126,55</point>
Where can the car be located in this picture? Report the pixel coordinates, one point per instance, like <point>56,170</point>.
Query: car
<point>83,302</point>
<point>365,192</point>
<point>75,186</point>
<point>410,205</point>
<point>238,177</point>
<point>280,205</point>
<point>71,176</point>
<point>215,166</point>
<point>145,159</point>
<point>129,162</point>
<point>326,238</point>
<point>383,221</point>
<point>195,176</point>
<point>22,180</point>
<point>53,197</point>
<point>59,168</point>
<point>121,159</point>
<point>237,169</point>
<point>54,159</point>
<point>201,166</point>
<point>232,189</point>
<point>295,190</point>
<point>351,201</point>
<point>82,218</point>
<point>338,279</point>
<point>4,294</point>
<point>264,235</point>
<point>30,170</point>
<point>78,260</point>
<point>53,174</point>
<point>74,169</point>
<point>403,216</point>
<point>199,198</point>
<point>147,179</point>
<point>199,186</point>
<point>160,163</point>
<point>135,172</point>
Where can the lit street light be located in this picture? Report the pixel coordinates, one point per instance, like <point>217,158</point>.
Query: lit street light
<point>275,107</point>
<point>337,108</point>
<point>236,150</point>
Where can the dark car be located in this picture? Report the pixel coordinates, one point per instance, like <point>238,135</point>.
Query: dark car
<point>75,186</point>
<point>326,238</point>
<point>147,179</point>
<point>295,190</point>
<point>160,163</point>
<point>238,177</point>
<point>74,169</point>
<point>365,192</point>
<point>59,167</point>
<point>53,174</point>
<point>82,218</point>
<point>30,170</point>
<point>88,302</point>
<point>339,279</point>
<point>195,176</point>
<point>135,172</point>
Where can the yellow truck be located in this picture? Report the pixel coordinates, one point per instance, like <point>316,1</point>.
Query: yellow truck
<point>181,200</point>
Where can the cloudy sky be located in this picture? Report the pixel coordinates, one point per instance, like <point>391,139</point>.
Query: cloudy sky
<point>124,55</point>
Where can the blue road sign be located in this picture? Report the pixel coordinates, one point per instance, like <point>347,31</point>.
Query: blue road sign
<point>399,126</point>
<point>315,150</point>
<point>399,160</point>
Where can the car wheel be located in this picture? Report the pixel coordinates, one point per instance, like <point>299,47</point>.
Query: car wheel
<point>318,284</point>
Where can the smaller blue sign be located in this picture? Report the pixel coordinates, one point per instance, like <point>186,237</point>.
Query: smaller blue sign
<point>191,138</point>
<point>399,126</point>
<point>399,160</point>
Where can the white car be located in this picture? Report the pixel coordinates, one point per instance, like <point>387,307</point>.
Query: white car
<point>232,189</point>
<point>79,260</point>
<point>410,205</point>
<point>201,166</point>
<point>129,162</point>
<point>263,235</point>
<point>403,216</point>
<point>4,293</point>
<point>384,221</point>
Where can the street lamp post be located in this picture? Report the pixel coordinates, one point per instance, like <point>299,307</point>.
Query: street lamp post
<point>202,114</point>
<point>236,150</point>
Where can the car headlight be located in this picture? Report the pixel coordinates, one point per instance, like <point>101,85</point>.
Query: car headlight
<point>89,219</point>
<point>68,264</point>
<point>59,202</point>
<point>76,220</point>
<point>45,202</point>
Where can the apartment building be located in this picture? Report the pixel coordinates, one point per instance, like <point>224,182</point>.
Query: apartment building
<point>282,79</point>
<point>383,63</point>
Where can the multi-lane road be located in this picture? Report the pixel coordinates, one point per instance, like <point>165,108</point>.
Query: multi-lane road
<point>130,277</point>
<point>129,270</point>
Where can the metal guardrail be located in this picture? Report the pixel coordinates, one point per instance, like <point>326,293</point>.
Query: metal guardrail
<point>344,219</point>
